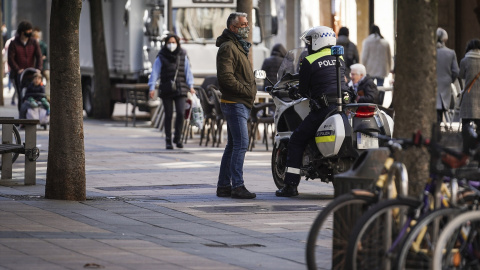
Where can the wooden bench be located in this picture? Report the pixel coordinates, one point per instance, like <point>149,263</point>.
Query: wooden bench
<point>29,149</point>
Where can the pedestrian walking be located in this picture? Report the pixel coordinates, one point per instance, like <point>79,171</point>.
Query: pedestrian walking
<point>447,73</point>
<point>364,86</point>
<point>272,64</point>
<point>238,88</point>
<point>23,52</point>
<point>376,55</point>
<point>470,101</point>
<point>351,51</point>
<point>37,34</point>
<point>172,68</point>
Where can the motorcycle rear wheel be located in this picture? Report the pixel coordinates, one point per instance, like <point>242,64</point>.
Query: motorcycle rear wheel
<point>279,164</point>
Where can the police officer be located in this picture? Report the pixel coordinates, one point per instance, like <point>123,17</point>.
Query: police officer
<point>318,81</point>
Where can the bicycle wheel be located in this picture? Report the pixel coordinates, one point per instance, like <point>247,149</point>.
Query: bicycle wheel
<point>458,245</point>
<point>327,239</point>
<point>16,139</point>
<point>417,248</point>
<point>377,233</point>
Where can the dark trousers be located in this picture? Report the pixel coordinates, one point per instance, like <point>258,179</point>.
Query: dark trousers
<point>299,140</point>
<point>16,85</point>
<point>440,115</point>
<point>180,114</point>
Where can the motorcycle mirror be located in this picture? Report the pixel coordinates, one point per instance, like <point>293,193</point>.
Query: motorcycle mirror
<point>260,74</point>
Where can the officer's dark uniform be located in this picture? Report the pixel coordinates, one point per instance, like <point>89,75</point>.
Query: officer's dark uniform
<point>318,76</point>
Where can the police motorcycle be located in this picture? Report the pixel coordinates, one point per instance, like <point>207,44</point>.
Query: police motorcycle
<point>339,139</point>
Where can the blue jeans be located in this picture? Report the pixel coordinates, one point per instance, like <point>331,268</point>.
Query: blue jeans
<point>231,168</point>
<point>380,80</point>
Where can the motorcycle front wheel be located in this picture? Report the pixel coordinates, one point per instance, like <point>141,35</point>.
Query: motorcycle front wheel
<point>279,164</point>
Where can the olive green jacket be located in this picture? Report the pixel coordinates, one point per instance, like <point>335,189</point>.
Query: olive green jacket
<point>234,71</point>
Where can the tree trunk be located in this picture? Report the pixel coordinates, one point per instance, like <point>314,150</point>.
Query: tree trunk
<point>247,6</point>
<point>101,94</point>
<point>66,152</point>
<point>415,83</point>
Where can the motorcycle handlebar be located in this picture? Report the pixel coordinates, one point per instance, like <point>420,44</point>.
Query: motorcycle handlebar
<point>417,140</point>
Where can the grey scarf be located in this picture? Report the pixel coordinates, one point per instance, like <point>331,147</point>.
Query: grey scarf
<point>245,44</point>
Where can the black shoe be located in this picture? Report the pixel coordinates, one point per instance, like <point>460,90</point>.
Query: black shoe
<point>242,193</point>
<point>224,191</point>
<point>179,145</point>
<point>169,145</point>
<point>287,191</point>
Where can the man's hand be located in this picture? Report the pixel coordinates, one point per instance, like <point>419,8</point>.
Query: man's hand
<point>152,93</point>
<point>192,91</point>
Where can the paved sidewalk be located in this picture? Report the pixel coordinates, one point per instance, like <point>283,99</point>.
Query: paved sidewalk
<point>149,208</point>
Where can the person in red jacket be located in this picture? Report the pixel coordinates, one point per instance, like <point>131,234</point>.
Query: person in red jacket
<point>23,52</point>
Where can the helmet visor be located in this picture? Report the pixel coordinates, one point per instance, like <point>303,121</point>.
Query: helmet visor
<point>305,38</point>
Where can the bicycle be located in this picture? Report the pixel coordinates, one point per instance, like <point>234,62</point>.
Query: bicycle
<point>458,245</point>
<point>417,249</point>
<point>330,230</point>
<point>15,139</point>
<point>377,235</point>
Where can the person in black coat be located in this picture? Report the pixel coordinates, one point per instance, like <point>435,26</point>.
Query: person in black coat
<point>364,86</point>
<point>272,63</point>
<point>351,51</point>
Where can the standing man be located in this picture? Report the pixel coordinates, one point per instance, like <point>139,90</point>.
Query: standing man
<point>238,87</point>
<point>447,73</point>
<point>351,51</point>
<point>376,55</point>
<point>23,52</point>
<point>37,34</point>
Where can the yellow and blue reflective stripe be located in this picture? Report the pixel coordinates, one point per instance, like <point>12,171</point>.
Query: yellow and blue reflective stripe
<point>324,139</point>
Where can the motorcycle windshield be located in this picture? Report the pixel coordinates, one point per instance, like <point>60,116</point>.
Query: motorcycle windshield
<point>291,62</point>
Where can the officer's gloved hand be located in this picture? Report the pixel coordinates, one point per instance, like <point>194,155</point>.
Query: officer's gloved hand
<point>293,93</point>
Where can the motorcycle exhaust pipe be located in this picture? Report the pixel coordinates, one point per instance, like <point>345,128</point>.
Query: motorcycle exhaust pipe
<point>337,51</point>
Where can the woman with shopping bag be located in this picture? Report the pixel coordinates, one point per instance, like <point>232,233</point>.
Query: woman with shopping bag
<point>172,68</point>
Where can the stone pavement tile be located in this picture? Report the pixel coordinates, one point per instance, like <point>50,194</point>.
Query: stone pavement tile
<point>36,266</point>
<point>28,218</point>
<point>250,258</point>
<point>155,266</point>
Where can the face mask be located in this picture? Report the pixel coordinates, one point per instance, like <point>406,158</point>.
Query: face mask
<point>28,34</point>
<point>243,32</point>
<point>172,46</point>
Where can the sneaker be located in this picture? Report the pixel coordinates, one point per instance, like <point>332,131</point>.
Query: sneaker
<point>224,191</point>
<point>33,102</point>
<point>242,193</point>
<point>287,191</point>
<point>178,143</point>
<point>45,104</point>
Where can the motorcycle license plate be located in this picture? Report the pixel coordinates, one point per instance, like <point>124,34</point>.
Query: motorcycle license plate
<point>366,141</point>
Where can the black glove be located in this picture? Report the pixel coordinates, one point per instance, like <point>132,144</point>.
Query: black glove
<point>293,93</point>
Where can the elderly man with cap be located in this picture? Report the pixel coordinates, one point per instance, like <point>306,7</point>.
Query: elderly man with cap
<point>447,72</point>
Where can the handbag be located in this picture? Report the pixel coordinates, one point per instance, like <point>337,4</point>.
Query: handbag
<point>468,88</point>
<point>174,84</point>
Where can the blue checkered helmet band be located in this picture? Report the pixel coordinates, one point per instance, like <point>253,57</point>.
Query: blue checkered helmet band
<point>327,35</point>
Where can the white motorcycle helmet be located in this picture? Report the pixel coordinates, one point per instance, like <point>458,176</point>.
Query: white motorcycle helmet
<point>319,37</point>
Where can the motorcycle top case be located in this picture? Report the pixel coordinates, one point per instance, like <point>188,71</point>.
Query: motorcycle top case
<point>330,135</point>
